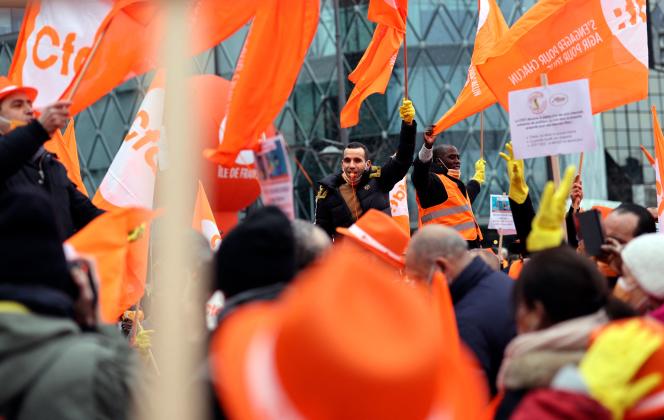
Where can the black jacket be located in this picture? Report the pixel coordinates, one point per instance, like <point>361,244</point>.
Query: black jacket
<point>482,301</point>
<point>372,190</point>
<point>23,162</point>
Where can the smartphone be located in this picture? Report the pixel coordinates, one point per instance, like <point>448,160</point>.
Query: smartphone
<point>591,231</point>
<point>84,266</point>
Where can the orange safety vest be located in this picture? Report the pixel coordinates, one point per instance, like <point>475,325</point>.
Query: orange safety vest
<point>456,212</point>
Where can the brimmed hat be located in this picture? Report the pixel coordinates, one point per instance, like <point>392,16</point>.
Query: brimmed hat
<point>347,341</point>
<point>380,234</point>
<point>7,88</point>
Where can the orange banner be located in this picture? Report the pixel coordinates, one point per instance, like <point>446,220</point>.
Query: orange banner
<point>64,147</point>
<point>659,163</point>
<point>372,73</point>
<point>266,72</point>
<point>476,95</point>
<point>601,40</point>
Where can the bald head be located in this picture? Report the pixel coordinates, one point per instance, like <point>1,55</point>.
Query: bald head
<point>310,242</point>
<point>448,154</point>
<point>436,245</point>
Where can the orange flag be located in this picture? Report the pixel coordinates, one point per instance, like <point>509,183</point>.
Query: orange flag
<point>601,40</point>
<point>267,69</point>
<point>64,147</point>
<point>659,165</point>
<point>399,205</point>
<point>476,95</point>
<point>372,73</point>
<point>204,221</point>
<point>108,240</point>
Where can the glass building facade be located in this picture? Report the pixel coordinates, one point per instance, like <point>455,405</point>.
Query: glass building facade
<point>440,42</point>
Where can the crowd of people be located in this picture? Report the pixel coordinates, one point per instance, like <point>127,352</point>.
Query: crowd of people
<point>350,316</point>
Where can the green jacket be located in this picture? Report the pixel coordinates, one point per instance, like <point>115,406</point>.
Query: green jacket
<point>49,369</point>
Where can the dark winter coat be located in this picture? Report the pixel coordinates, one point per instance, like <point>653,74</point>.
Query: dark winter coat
<point>372,190</point>
<point>23,162</point>
<point>482,301</point>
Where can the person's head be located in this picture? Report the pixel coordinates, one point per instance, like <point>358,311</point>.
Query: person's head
<point>258,252</point>
<point>355,160</point>
<point>643,272</point>
<point>557,285</point>
<point>447,156</point>
<point>310,243</point>
<point>33,261</point>
<point>436,248</point>
<point>628,221</point>
<point>16,101</point>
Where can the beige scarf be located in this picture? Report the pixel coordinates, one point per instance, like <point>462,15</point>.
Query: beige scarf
<point>532,359</point>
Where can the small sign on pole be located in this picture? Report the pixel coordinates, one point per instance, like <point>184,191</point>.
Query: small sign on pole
<point>275,175</point>
<point>500,217</point>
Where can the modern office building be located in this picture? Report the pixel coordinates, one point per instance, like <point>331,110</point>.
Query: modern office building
<point>440,41</point>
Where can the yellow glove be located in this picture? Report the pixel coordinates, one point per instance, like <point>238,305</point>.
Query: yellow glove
<point>547,231</point>
<point>407,111</point>
<point>613,360</point>
<point>480,171</point>
<point>143,341</point>
<point>518,186</point>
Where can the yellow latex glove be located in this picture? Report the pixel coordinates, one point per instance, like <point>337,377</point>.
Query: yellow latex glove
<point>407,111</point>
<point>480,171</point>
<point>517,175</point>
<point>612,361</point>
<point>547,231</point>
<point>143,341</point>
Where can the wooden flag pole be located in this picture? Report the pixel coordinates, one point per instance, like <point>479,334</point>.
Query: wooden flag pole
<point>580,164</point>
<point>482,135</point>
<point>553,160</point>
<point>79,76</point>
<point>405,64</point>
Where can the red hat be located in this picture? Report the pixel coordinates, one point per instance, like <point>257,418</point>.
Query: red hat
<point>380,234</point>
<point>347,341</point>
<point>552,404</point>
<point>7,88</point>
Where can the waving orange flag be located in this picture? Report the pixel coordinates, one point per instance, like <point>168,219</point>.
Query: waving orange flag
<point>266,72</point>
<point>476,95</point>
<point>372,73</point>
<point>604,41</point>
<point>64,147</point>
<point>108,240</point>
<point>658,165</point>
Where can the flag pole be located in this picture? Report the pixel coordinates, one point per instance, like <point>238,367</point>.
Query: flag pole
<point>580,164</point>
<point>482,135</point>
<point>79,76</point>
<point>405,64</point>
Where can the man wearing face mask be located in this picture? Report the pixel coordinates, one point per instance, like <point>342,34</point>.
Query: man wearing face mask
<point>344,197</point>
<point>442,197</point>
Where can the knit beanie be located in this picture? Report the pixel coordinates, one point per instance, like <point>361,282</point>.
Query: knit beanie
<point>644,256</point>
<point>259,252</point>
<point>31,252</point>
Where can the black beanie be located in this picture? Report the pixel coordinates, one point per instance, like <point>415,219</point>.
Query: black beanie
<point>31,251</point>
<point>259,252</point>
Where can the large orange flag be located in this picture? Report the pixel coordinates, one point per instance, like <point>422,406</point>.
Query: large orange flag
<point>476,95</point>
<point>203,220</point>
<point>267,69</point>
<point>659,165</point>
<point>604,41</point>
<point>372,73</point>
<point>108,240</point>
<point>64,147</point>
<point>57,37</point>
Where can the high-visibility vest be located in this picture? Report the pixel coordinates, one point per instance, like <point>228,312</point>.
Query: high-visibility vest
<point>455,212</point>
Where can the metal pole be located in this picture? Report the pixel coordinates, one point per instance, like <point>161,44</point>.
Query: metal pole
<point>341,74</point>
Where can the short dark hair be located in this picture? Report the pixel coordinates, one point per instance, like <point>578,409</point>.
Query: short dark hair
<point>439,151</point>
<point>567,285</point>
<point>358,145</point>
<point>646,223</point>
